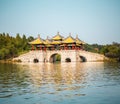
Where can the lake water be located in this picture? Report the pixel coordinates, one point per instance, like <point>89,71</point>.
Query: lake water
<point>65,83</point>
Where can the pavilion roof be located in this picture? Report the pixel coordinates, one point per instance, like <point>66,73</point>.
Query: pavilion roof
<point>49,45</point>
<point>55,42</point>
<point>37,41</point>
<point>78,41</point>
<point>47,42</point>
<point>69,39</point>
<point>57,37</point>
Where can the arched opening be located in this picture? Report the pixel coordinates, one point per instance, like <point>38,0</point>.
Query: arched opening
<point>67,60</point>
<point>55,58</point>
<point>83,59</point>
<point>35,60</point>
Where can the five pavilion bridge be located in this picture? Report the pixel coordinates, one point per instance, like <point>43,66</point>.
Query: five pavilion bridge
<point>69,49</point>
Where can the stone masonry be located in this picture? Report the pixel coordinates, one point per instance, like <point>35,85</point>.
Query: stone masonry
<point>74,55</point>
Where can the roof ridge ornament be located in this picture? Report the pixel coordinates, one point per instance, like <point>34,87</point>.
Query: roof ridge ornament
<point>39,36</point>
<point>70,34</point>
<point>76,36</point>
<point>58,33</point>
<point>47,37</point>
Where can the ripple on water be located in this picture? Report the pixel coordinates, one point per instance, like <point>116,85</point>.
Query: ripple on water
<point>59,84</point>
<point>6,95</point>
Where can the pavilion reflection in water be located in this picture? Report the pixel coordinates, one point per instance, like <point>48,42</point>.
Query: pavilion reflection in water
<point>66,73</point>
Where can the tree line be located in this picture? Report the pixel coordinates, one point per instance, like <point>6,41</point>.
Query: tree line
<point>14,46</point>
<point>110,50</point>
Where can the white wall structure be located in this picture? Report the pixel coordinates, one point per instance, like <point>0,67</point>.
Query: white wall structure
<point>73,55</point>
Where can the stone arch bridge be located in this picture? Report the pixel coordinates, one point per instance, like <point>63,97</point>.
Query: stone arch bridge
<point>72,55</point>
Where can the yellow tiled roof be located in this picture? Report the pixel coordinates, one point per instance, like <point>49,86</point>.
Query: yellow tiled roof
<point>55,42</point>
<point>48,45</point>
<point>47,42</point>
<point>78,41</point>
<point>78,45</point>
<point>69,39</point>
<point>37,41</point>
<point>57,37</point>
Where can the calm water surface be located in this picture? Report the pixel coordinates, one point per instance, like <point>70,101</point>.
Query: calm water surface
<point>67,83</point>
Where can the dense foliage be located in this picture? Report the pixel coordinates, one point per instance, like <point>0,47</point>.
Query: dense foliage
<point>13,46</point>
<point>111,50</point>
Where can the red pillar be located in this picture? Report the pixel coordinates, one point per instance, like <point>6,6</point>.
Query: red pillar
<point>32,47</point>
<point>66,47</point>
<point>40,47</point>
<point>73,47</point>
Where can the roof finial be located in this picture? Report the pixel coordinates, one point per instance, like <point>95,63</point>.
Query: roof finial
<point>58,33</point>
<point>69,34</point>
<point>76,36</point>
<point>47,37</point>
<point>38,35</point>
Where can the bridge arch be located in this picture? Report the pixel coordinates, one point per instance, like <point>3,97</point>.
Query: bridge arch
<point>35,60</point>
<point>55,57</point>
<point>82,58</point>
<point>67,59</point>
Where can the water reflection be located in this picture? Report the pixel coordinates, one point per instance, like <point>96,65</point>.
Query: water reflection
<point>64,81</point>
<point>62,73</point>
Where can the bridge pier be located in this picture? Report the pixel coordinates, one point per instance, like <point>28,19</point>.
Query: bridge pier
<point>68,54</point>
